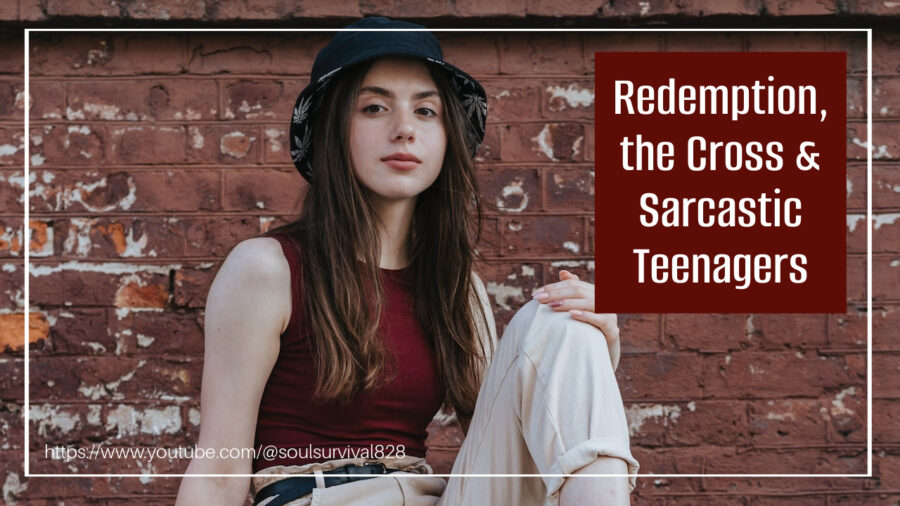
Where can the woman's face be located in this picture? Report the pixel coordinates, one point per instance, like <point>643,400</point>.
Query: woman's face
<point>397,136</point>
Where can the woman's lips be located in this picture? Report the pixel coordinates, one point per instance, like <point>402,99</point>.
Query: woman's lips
<point>401,164</point>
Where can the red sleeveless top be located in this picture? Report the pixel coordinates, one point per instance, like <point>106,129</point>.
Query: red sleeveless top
<point>299,430</point>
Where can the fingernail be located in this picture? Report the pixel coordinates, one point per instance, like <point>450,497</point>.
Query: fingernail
<point>540,295</point>
<point>576,312</point>
<point>555,304</point>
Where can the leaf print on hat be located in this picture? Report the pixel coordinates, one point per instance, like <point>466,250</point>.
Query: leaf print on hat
<point>301,111</point>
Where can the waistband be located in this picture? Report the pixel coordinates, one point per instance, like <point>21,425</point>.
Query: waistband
<point>269,475</point>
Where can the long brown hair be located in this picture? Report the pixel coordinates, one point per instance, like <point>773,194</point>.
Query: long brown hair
<point>336,234</point>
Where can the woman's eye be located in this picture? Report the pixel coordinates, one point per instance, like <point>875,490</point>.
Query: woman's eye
<point>372,108</point>
<point>426,112</point>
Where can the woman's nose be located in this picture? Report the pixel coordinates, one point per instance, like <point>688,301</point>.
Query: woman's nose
<point>404,130</point>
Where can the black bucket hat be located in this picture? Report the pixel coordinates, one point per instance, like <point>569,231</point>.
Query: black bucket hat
<point>368,42</point>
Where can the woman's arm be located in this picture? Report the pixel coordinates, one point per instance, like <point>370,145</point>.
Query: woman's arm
<point>247,309</point>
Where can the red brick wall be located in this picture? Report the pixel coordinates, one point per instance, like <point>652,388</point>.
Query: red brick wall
<point>153,154</point>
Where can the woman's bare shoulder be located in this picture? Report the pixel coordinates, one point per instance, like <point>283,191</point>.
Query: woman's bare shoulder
<point>256,270</point>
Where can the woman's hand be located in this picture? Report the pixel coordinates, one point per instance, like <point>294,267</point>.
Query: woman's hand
<point>577,297</point>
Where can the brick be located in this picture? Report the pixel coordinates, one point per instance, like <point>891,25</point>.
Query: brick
<point>251,99</point>
<point>88,8</point>
<point>726,41</point>
<point>664,375</point>
<point>779,331</point>
<point>637,8</point>
<point>885,233</point>
<point>172,9</point>
<point>542,235</point>
<point>774,374</point>
<point>541,53</point>
<point>137,190</point>
<point>99,54</point>
<point>722,423</point>
<point>277,191</point>
<point>856,278</point>
<point>536,142</point>
<point>31,10</point>
<point>142,100</point>
<point>286,53</point>
<point>589,138</point>
<point>846,412</point>
<point>100,237</point>
<point>707,332</point>
<point>12,330</point>
<point>855,46</point>
<point>512,100</point>
<point>111,378</point>
<point>618,41</point>
<point>779,461</point>
<point>233,144</point>
<point>856,186</point>
<point>884,412</point>
<point>885,97</point>
<point>274,9</point>
<point>88,285</point>
<point>12,280</point>
<point>511,190</point>
<point>74,144</point>
<point>883,383</point>
<point>856,99</point>
<point>887,142</point>
<point>475,53</point>
<point>81,331</point>
<point>885,186</point>
<point>786,41</point>
<point>787,422</point>
<point>10,238</point>
<point>490,145</point>
<point>584,269</point>
<point>217,241</point>
<point>157,333</point>
<point>509,286</point>
<point>11,100</point>
<point>48,99</point>
<point>275,147</point>
<point>489,241</point>
<point>800,7</point>
<point>141,144</point>
<point>9,11</point>
<point>849,330</point>
<point>885,277</point>
<point>701,8</point>
<point>191,287</point>
<point>567,100</point>
<point>559,9</point>
<point>569,189</point>
<point>410,8</point>
<point>61,424</point>
<point>506,8</point>
<point>856,233</point>
<point>13,46</point>
<point>12,145</point>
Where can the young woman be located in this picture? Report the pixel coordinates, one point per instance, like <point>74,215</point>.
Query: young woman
<point>332,342</point>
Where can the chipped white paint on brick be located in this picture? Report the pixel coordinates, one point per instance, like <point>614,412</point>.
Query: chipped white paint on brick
<point>49,418</point>
<point>104,111</point>
<point>750,329</point>
<point>9,267</point>
<point>853,219</point>
<point>8,150</point>
<point>837,405</point>
<point>104,268</point>
<point>849,187</point>
<point>189,114</point>
<point>895,263</point>
<point>260,204</point>
<point>573,96</point>
<point>158,421</point>
<point>122,312</point>
<point>571,246</point>
<point>756,370</point>
<point>145,341</point>
<point>514,188</point>
<point>504,295</point>
<point>194,417</point>
<point>73,114</point>
<point>95,347</point>
<point>528,270</point>
<point>134,248</point>
<point>504,93</point>
<point>95,392</point>
<point>544,142</point>
<point>13,488</point>
<point>197,140</point>
<point>645,8</point>
<point>9,235</point>
<point>265,222</point>
<point>637,414</point>
<point>235,135</point>
<point>884,219</point>
<point>576,146</point>
<point>514,226</point>
<point>78,241</point>
<point>274,135</point>
<point>880,153</point>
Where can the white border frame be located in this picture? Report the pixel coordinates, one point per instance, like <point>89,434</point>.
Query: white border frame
<point>869,145</point>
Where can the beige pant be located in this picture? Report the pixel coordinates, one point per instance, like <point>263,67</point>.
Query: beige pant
<point>549,405</point>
